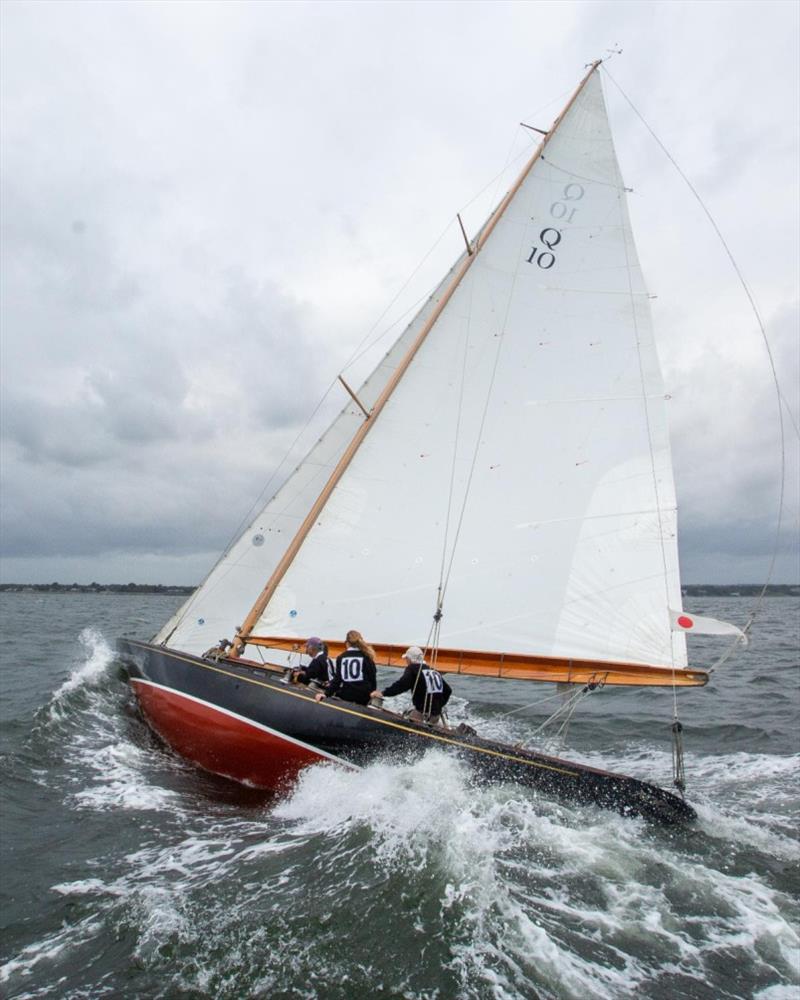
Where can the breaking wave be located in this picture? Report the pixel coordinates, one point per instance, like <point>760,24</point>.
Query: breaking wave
<point>93,667</point>
<point>402,879</point>
<point>494,891</point>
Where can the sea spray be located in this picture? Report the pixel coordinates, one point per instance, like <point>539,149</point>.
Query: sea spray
<point>98,654</point>
<point>135,874</point>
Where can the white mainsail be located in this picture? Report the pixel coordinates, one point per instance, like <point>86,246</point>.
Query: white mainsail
<point>525,449</point>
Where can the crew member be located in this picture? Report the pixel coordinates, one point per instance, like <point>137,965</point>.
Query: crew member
<point>355,675</point>
<point>430,692</point>
<point>321,669</point>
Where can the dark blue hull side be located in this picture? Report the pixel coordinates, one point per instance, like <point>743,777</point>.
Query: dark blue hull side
<point>242,720</point>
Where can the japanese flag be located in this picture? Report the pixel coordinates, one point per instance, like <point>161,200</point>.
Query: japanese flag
<point>682,621</point>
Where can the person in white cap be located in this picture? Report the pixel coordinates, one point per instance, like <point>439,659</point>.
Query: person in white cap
<point>430,692</point>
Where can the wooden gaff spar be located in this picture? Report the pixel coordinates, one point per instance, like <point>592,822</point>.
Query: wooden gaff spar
<point>509,452</point>
<point>511,666</point>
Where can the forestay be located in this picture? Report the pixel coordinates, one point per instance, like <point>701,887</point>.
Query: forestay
<point>538,394</point>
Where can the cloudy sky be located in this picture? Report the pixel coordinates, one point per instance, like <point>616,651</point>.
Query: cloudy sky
<point>207,207</point>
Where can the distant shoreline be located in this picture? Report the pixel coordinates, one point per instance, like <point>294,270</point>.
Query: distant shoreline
<point>94,588</point>
<point>688,589</point>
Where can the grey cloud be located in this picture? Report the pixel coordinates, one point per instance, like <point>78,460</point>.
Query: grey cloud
<point>204,207</point>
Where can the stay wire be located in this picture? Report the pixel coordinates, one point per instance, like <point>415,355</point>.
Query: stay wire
<point>782,489</point>
<point>361,350</point>
<point>459,412</point>
<point>625,227</point>
<point>567,710</point>
<point>530,704</point>
<point>249,516</point>
<point>445,575</point>
<point>500,341</point>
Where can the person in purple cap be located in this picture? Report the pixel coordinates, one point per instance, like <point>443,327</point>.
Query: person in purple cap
<point>321,669</point>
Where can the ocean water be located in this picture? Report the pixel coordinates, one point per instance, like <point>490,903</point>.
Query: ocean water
<point>126,872</point>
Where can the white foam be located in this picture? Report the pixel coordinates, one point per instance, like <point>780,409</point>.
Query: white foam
<point>526,881</point>
<point>777,993</point>
<point>120,780</point>
<point>98,656</point>
<point>85,887</point>
<point>535,896</point>
<point>429,813</point>
<point>49,948</point>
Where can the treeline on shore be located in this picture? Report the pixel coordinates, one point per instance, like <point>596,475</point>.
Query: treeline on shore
<point>94,588</point>
<point>688,589</point>
<point>739,589</point>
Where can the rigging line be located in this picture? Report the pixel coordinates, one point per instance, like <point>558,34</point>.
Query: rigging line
<point>738,641</point>
<point>437,622</point>
<point>186,608</point>
<point>426,296</point>
<point>361,350</point>
<point>531,704</point>
<point>626,232</point>
<point>557,102</point>
<point>246,519</point>
<point>566,709</point>
<point>760,599</point>
<point>508,163</point>
<point>358,352</point>
<point>496,180</point>
<point>501,339</point>
<point>583,177</point>
<point>479,435</point>
<point>790,415</point>
<point>422,300</point>
<point>459,411</point>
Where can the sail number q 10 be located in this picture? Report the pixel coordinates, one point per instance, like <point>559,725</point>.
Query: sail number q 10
<point>544,256</point>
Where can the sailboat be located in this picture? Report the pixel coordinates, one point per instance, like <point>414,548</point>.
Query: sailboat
<point>501,483</point>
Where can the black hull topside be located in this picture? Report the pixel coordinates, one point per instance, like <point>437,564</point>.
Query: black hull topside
<point>244,721</point>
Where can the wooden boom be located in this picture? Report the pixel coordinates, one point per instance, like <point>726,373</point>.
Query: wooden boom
<point>516,666</point>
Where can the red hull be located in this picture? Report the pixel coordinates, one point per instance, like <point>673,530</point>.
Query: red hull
<point>237,720</point>
<point>223,742</point>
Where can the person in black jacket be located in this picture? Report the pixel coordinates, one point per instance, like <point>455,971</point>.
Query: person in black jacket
<point>355,675</point>
<point>430,692</point>
<point>321,669</point>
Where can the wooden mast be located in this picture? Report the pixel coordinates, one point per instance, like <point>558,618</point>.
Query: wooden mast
<point>294,546</point>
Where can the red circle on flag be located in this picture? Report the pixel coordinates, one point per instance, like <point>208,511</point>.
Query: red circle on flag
<point>685,622</point>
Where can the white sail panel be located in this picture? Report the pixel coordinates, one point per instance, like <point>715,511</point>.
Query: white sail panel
<point>223,600</point>
<point>538,393</point>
